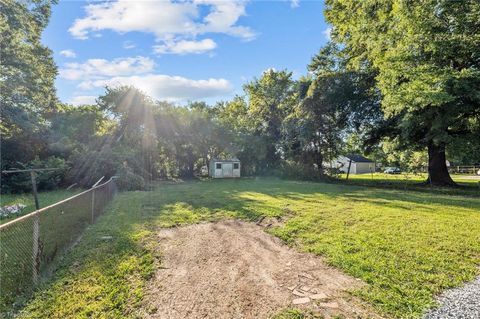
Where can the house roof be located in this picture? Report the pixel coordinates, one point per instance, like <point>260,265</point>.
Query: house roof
<point>358,158</point>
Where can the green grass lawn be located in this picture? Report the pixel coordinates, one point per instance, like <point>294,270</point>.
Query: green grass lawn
<point>407,246</point>
<point>44,199</point>
<point>410,181</point>
<point>404,177</point>
<point>59,227</point>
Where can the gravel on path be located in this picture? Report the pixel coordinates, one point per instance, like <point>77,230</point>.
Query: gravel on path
<point>458,303</point>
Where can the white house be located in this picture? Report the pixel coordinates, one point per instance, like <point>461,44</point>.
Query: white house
<point>360,164</point>
<point>224,168</point>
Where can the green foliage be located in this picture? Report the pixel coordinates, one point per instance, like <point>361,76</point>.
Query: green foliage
<point>47,180</point>
<point>27,81</point>
<point>426,56</point>
<point>294,170</point>
<point>396,80</point>
<point>50,179</point>
<point>250,148</point>
<point>292,313</point>
<point>270,99</point>
<point>465,151</point>
<point>72,128</point>
<point>334,101</point>
<point>128,180</point>
<point>27,68</point>
<point>90,164</point>
<point>408,159</point>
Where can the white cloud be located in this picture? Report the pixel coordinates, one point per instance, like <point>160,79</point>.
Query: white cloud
<point>327,33</point>
<point>128,45</point>
<point>165,19</point>
<point>82,100</point>
<point>223,18</point>
<point>165,87</point>
<point>294,3</point>
<point>98,68</point>
<point>68,53</point>
<point>185,47</point>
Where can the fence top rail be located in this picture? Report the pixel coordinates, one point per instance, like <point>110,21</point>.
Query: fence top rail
<point>29,170</point>
<point>41,210</point>
<point>101,185</point>
<point>98,182</point>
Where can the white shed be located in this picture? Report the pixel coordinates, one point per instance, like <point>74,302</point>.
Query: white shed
<point>360,164</point>
<point>224,168</point>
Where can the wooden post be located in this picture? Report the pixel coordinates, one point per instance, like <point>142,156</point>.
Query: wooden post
<point>34,189</point>
<point>349,166</point>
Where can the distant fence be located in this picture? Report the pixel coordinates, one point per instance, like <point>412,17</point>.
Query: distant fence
<point>464,169</point>
<point>30,244</point>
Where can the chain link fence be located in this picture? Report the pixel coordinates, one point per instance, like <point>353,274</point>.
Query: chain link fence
<point>30,244</point>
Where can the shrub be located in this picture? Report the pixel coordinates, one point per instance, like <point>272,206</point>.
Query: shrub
<point>127,180</point>
<point>46,180</point>
<point>300,171</point>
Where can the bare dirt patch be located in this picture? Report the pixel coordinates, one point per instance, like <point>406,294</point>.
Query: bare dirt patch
<point>233,269</point>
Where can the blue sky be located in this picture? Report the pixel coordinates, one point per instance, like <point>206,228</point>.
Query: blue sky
<point>179,50</point>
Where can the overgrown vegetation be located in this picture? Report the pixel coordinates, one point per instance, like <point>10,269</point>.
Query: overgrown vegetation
<point>407,246</point>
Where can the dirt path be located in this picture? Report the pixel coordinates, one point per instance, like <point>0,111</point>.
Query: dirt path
<point>233,269</point>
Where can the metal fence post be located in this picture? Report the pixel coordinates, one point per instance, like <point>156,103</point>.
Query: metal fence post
<point>35,250</point>
<point>93,198</point>
<point>34,189</point>
<point>36,232</point>
<point>93,206</point>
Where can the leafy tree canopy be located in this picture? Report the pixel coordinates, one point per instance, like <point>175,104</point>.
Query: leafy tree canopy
<point>26,66</point>
<point>427,58</point>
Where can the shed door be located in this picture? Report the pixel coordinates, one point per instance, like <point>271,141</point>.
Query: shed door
<point>227,169</point>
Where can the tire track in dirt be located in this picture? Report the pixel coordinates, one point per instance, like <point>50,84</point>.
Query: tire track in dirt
<point>233,269</point>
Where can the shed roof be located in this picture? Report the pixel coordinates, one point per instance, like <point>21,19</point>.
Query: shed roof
<point>358,158</point>
<point>231,160</point>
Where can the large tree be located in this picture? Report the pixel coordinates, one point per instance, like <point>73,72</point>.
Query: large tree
<point>270,99</point>
<point>27,74</point>
<point>427,58</point>
<point>234,117</point>
<point>333,102</point>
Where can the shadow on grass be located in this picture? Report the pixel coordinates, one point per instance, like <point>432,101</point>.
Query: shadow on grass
<point>463,188</point>
<point>225,193</point>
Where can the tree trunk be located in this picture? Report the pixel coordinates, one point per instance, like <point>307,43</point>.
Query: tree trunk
<point>437,167</point>
<point>319,162</point>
